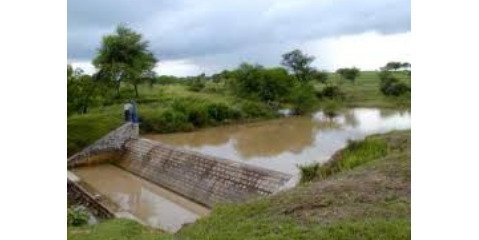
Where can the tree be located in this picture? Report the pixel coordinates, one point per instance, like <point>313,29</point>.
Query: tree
<point>124,56</point>
<point>405,65</point>
<point>392,66</point>
<point>349,73</point>
<point>82,91</point>
<point>247,80</point>
<point>299,63</point>
<point>275,84</point>
<point>257,82</point>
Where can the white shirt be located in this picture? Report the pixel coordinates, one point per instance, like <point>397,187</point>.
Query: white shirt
<point>127,106</point>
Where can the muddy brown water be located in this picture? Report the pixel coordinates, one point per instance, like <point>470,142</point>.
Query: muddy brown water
<point>148,202</point>
<point>282,144</point>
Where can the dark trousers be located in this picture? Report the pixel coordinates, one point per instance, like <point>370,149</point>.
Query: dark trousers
<point>127,116</point>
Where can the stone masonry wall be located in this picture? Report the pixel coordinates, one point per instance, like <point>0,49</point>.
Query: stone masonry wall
<point>78,195</point>
<point>108,148</point>
<point>204,179</point>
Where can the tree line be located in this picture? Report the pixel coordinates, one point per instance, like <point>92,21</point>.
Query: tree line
<point>124,58</point>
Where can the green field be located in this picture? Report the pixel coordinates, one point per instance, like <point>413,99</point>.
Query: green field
<point>368,199</point>
<point>365,91</point>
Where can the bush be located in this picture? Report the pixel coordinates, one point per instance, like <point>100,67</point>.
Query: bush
<point>77,216</point>
<point>202,113</point>
<point>303,98</point>
<point>309,172</point>
<point>331,92</point>
<point>349,73</point>
<point>166,121</point>
<point>391,86</point>
<point>395,88</point>
<point>218,111</point>
<point>259,83</point>
<point>198,116</point>
<point>331,109</point>
<point>255,110</point>
<point>212,87</point>
<point>196,85</point>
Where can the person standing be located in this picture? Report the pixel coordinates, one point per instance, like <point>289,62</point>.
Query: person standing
<point>134,113</point>
<point>127,111</point>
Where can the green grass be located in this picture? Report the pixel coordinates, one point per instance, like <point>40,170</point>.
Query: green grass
<point>364,92</point>
<point>355,154</point>
<point>368,201</point>
<point>86,129</point>
<point>116,229</point>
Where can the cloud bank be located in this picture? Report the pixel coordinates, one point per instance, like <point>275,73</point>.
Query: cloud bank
<point>207,36</point>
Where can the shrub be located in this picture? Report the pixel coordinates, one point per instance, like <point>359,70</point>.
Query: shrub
<point>220,112</point>
<point>331,92</point>
<point>202,113</point>
<point>259,83</point>
<point>198,116</point>
<point>391,86</point>
<point>331,109</point>
<point>196,85</point>
<point>394,88</point>
<point>166,121</point>
<point>349,73</point>
<point>303,98</point>
<point>255,110</point>
<point>309,172</point>
<point>212,87</point>
<point>77,216</point>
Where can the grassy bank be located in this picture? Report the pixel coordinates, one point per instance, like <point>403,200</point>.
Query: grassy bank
<point>368,199</point>
<point>166,109</point>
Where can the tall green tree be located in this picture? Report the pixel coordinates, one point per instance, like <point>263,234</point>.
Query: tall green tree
<point>124,57</point>
<point>299,64</point>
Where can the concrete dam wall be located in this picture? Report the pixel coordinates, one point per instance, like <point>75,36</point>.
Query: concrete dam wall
<point>108,148</point>
<point>204,179</point>
<point>201,178</point>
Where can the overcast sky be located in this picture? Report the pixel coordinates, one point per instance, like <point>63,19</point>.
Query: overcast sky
<point>190,37</point>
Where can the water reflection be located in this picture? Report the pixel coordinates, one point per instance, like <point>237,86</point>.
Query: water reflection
<point>282,144</point>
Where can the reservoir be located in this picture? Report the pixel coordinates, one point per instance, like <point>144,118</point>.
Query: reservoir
<point>282,144</point>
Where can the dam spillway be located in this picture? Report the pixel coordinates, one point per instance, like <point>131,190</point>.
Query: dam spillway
<point>158,184</point>
<point>151,204</point>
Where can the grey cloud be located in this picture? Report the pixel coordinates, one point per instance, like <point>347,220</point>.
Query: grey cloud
<point>218,31</point>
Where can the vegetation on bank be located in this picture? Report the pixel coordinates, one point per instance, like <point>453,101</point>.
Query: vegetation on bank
<point>172,107</point>
<point>355,154</point>
<point>368,201</point>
